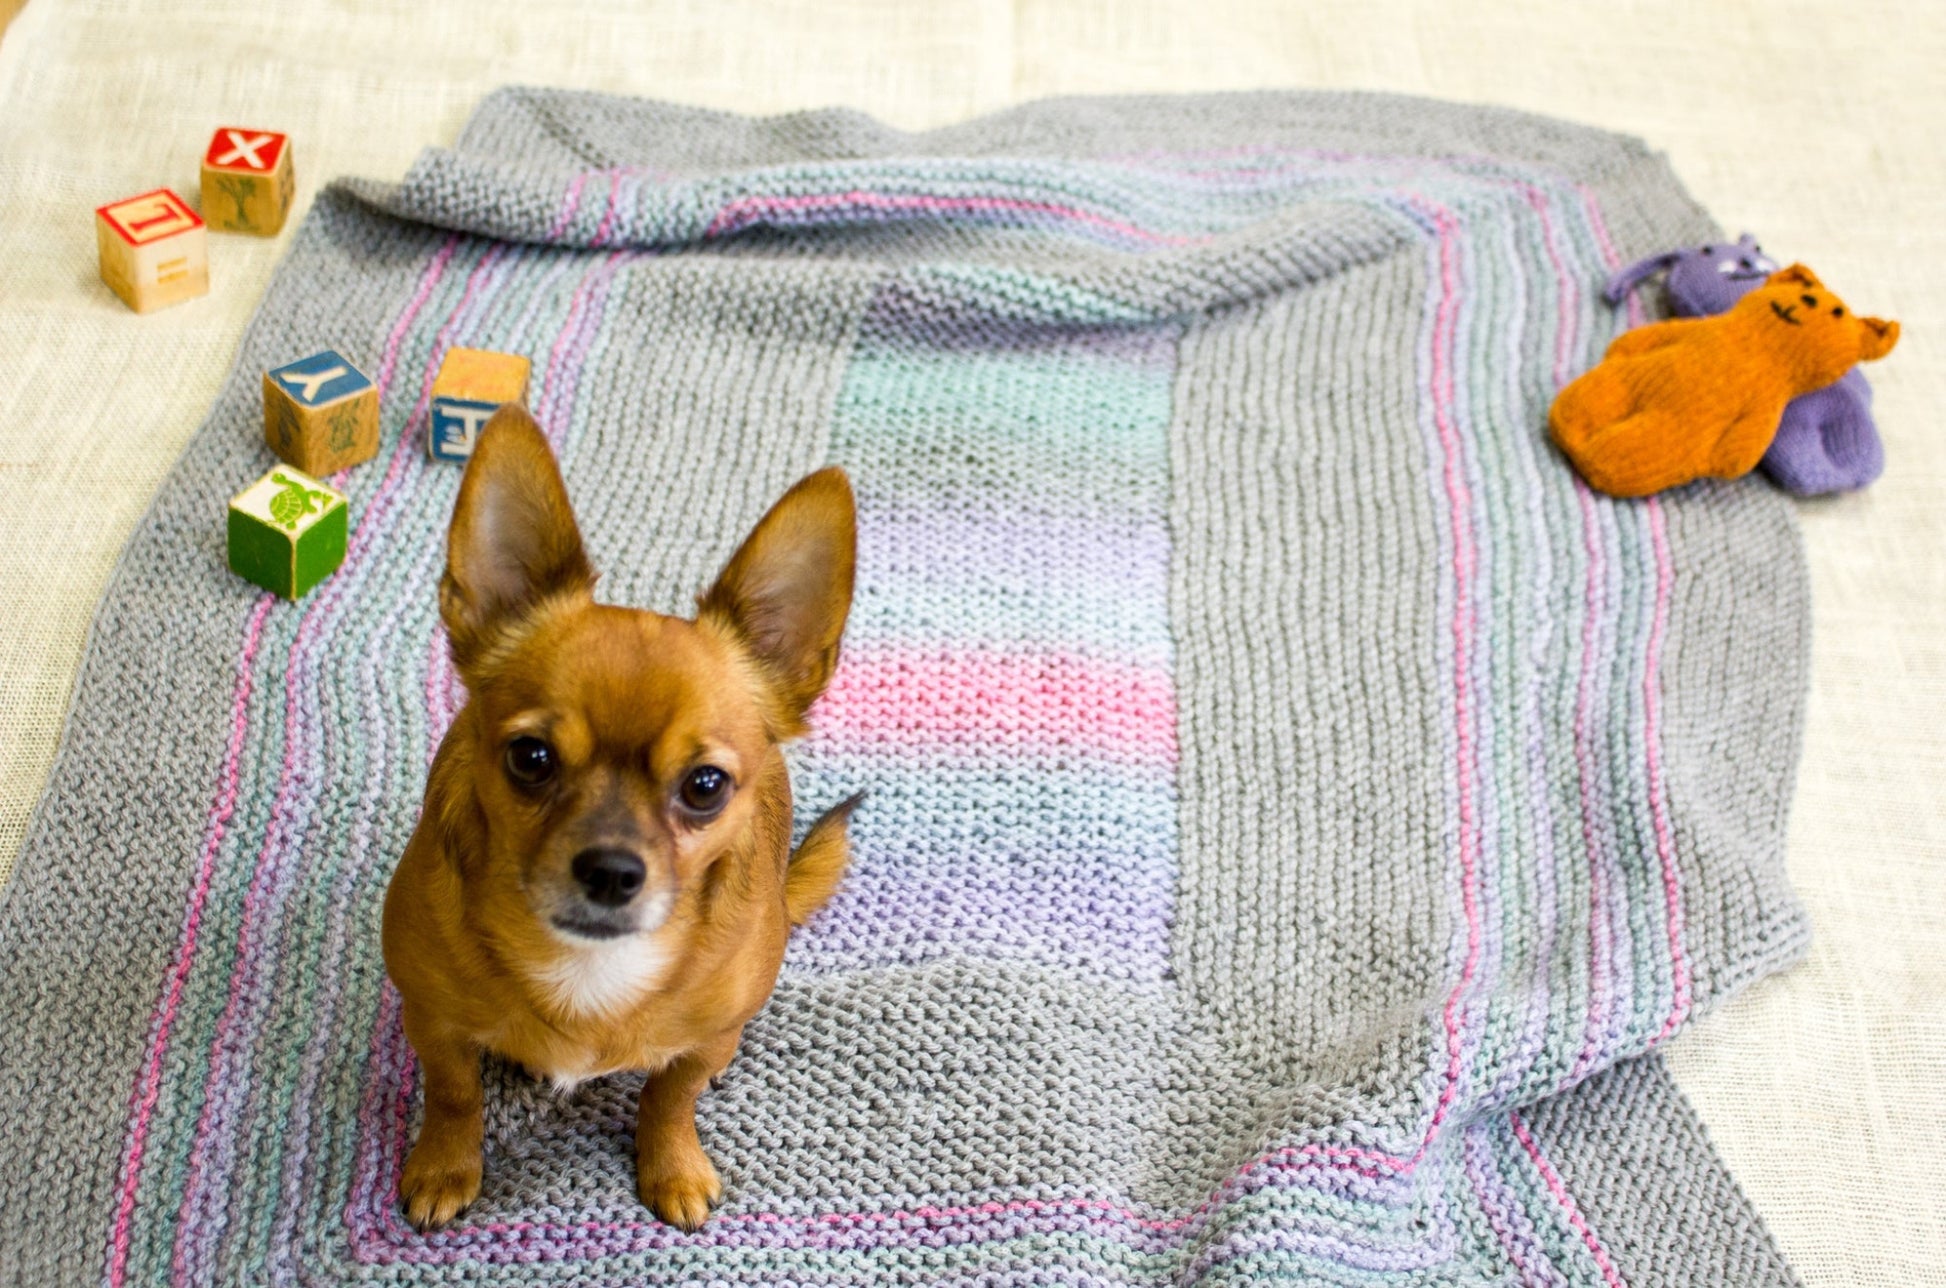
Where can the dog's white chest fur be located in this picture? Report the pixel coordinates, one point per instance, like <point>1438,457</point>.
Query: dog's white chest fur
<point>595,979</point>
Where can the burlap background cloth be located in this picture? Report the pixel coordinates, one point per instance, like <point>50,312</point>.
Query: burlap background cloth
<point>1816,126</point>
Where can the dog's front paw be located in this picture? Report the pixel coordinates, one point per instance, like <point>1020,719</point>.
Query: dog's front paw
<point>438,1183</point>
<point>680,1193</point>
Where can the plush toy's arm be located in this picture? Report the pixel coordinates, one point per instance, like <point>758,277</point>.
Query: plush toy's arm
<point>1637,273</point>
<point>1653,336</point>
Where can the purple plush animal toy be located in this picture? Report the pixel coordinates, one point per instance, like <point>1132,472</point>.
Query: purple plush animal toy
<point>1827,441</point>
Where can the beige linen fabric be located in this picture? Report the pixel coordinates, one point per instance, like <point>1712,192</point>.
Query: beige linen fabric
<point>1815,125</point>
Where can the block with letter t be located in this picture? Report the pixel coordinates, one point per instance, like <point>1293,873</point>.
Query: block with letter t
<point>470,387</point>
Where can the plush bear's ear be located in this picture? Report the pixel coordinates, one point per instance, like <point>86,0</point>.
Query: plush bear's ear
<point>1748,245</point>
<point>1795,275</point>
<point>1876,337</point>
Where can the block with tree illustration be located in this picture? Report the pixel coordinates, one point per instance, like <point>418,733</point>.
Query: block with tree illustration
<point>247,181</point>
<point>321,413</point>
<point>287,532</point>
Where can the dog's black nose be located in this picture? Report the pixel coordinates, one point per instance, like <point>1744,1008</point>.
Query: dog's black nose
<point>611,877</point>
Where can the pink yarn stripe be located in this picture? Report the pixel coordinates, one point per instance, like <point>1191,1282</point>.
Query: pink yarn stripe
<point>1585,776</point>
<point>922,1215</point>
<point>750,210</point>
<point>1499,1206</point>
<point>375,1175</point>
<point>569,206</point>
<point>1637,312</point>
<point>1569,1208</point>
<point>1652,693</point>
<point>1665,843</point>
<point>390,1240</point>
<point>895,698</point>
<point>562,383</point>
<point>615,177</point>
<point>149,1086</point>
<point>428,280</point>
<point>607,223</point>
<point>1459,502</point>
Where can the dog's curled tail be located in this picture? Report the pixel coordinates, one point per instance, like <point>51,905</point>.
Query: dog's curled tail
<point>818,864</point>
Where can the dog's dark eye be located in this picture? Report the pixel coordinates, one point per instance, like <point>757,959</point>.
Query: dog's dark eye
<point>705,790</point>
<point>1837,313</point>
<point>1810,301</point>
<point>530,762</point>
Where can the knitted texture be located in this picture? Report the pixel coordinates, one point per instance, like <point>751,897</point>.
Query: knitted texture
<point>1298,807</point>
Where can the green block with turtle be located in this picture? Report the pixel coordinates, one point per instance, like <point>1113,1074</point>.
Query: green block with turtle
<point>288,532</point>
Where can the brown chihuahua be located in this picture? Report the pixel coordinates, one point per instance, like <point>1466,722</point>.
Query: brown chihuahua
<point>601,879</point>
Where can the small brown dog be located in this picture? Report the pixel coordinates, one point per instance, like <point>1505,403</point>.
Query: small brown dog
<point>602,879</point>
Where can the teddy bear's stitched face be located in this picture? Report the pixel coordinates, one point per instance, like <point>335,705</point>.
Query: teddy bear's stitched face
<point>1797,314</point>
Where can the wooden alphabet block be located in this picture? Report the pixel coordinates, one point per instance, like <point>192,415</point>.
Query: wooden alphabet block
<point>154,250</point>
<point>321,413</point>
<point>471,385</point>
<point>287,532</point>
<point>247,181</point>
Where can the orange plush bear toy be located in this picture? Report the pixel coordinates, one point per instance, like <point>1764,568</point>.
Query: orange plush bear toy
<point>1694,398</point>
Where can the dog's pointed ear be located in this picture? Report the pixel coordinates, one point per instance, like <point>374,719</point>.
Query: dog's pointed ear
<point>787,591</point>
<point>513,543</point>
<point>1794,275</point>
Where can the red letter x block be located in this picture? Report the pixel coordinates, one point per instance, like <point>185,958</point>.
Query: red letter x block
<point>153,250</point>
<point>247,181</point>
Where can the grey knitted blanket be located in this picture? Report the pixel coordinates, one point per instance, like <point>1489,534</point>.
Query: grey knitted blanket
<point>1299,808</point>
